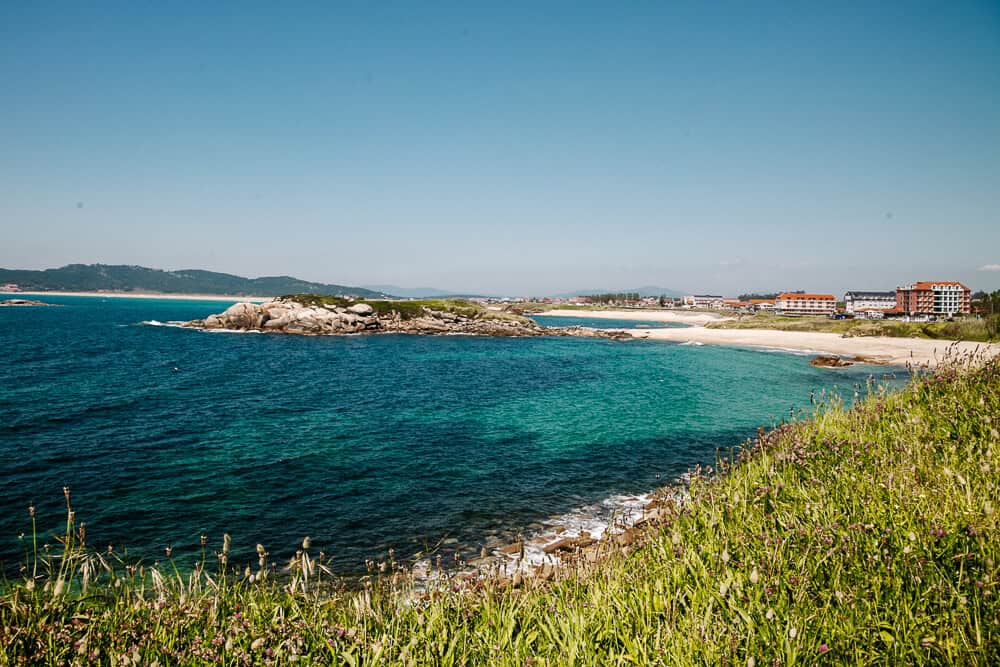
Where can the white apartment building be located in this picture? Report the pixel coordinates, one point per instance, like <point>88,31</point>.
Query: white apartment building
<point>704,301</point>
<point>869,304</point>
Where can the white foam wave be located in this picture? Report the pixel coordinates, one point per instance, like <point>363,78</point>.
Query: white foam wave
<point>157,323</point>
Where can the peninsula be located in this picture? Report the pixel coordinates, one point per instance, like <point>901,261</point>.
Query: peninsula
<point>307,314</point>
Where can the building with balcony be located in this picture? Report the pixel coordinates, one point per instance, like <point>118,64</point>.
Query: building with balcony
<point>869,304</point>
<point>941,298</point>
<point>793,303</point>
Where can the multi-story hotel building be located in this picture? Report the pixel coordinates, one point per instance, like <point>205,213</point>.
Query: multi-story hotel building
<point>805,304</point>
<point>865,303</point>
<point>937,297</point>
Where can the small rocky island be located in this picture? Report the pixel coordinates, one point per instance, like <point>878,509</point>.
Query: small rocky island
<point>23,303</point>
<point>328,315</point>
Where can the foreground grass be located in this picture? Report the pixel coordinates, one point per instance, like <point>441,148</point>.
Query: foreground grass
<point>963,329</point>
<point>866,536</point>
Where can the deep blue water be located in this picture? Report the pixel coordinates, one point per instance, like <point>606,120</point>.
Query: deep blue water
<point>361,442</point>
<point>597,323</point>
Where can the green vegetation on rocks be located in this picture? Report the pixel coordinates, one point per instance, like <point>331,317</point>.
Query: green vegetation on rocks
<point>407,310</point>
<point>867,535</point>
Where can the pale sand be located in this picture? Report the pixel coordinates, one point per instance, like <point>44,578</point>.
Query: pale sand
<point>143,295</point>
<point>685,317</point>
<point>896,351</point>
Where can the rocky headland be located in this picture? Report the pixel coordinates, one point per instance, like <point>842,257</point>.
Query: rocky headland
<point>315,315</point>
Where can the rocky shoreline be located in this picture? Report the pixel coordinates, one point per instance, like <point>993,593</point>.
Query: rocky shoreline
<point>319,316</point>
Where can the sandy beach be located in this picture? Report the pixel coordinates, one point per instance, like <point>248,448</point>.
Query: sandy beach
<point>685,317</point>
<point>140,295</point>
<point>897,351</point>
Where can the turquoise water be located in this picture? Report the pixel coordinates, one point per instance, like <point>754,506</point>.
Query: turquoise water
<point>362,442</point>
<point>598,323</point>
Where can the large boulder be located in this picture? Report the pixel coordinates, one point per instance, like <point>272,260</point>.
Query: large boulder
<point>243,316</point>
<point>361,309</point>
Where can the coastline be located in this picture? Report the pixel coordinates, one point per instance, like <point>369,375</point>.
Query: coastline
<point>683,317</point>
<point>883,349</point>
<point>147,295</point>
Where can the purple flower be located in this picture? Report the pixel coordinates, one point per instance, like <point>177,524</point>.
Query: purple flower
<point>823,648</point>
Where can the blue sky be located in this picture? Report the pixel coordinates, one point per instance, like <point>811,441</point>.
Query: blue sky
<point>528,148</point>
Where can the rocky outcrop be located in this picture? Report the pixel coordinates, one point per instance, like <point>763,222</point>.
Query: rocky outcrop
<point>836,361</point>
<point>23,302</point>
<point>288,316</point>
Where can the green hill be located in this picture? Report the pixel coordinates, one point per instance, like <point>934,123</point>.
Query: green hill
<point>124,278</point>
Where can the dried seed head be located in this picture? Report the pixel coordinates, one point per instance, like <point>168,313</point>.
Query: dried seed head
<point>31,511</point>
<point>260,550</point>
<point>307,542</point>
<point>204,540</point>
<point>226,542</point>
<point>170,551</point>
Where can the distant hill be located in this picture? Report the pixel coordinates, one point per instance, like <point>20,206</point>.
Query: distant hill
<point>649,290</point>
<point>123,278</point>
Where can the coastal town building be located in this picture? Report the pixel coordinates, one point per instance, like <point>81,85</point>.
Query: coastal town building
<point>704,301</point>
<point>934,297</point>
<point>872,305</point>
<point>762,305</point>
<point>796,303</point>
<point>10,287</point>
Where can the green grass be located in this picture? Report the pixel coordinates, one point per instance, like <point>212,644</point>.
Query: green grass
<point>407,310</point>
<point>867,535</point>
<point>962,329</point>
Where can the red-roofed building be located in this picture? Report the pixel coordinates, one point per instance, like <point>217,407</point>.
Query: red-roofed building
<point>934,297</point>
<point>792,303</point>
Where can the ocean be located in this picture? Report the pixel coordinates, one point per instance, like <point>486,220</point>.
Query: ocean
<point>364,443</point>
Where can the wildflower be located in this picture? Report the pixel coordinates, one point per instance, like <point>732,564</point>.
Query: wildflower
<point>754,576</point>
<point>912,536</point>
<point>823,648</point>
<point>769,615</point>
<point>751,662</point>
<point>792,632</point>
<point>725,556</point>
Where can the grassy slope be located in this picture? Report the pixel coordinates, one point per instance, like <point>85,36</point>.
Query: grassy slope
<point>865,536</point>
<point>971,330</point>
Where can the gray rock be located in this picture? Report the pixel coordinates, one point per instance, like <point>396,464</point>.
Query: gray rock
<point>361,309</point>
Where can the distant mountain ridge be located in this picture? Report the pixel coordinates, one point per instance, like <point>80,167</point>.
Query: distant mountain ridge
<point>648,290</point>
<point>126,278</point>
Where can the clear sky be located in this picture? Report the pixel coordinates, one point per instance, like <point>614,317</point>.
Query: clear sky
<point>523,148</point>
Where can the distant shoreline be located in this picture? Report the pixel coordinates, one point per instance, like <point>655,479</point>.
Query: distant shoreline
<point>885,349</point>
<point>144,295</point>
